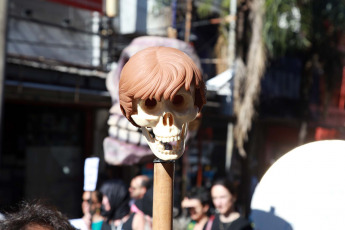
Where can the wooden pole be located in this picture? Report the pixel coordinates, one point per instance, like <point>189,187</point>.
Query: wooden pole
<point>188,21</point>
<point>163,190</point>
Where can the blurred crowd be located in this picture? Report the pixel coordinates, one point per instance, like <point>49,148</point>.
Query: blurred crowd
<point>116,206</point>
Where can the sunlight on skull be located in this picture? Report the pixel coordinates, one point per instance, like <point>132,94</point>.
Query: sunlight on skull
<point>169,122</point>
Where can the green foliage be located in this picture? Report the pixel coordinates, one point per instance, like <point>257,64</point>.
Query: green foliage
<point>321,21</point>
<point>291,26</point>
<point>206,7</point>
<point>286,27</point>
<point>225,6</point>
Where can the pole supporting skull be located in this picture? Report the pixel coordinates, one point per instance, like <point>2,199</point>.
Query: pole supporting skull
<point>161,90</point>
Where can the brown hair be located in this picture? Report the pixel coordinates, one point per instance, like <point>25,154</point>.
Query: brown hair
<point>156,72</point>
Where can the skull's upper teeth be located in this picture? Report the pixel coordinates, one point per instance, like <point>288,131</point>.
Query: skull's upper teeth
<point>168,139</point>
<point>166,145</point>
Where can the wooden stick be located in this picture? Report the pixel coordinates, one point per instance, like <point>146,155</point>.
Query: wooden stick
<point>163,190</point>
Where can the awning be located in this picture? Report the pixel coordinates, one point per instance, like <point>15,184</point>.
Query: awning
<point>221,84</point>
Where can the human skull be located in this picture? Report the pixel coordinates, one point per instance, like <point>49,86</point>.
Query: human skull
<point>168,120</point>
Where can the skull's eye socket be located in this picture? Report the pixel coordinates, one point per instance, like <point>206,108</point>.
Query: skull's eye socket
<point>178,100</point>
<point>150,103</point>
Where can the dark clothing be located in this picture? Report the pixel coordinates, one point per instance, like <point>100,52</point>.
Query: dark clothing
<point>126,226</point>
<point>145,204</point>
<point>239,224</point>
<point>118,196</point>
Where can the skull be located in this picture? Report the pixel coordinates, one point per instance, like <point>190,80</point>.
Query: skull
<point>168,120</point>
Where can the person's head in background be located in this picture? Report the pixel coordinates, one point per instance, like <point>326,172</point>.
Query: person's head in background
<point>145,205</point>
<point>224,196</point>
<point>36,216</point>
<point>115,201</point>
<point>198,203</point>
<point>115,207</point>
<point>85,204</point>
<point>96,202</point>
<point>138,187</point>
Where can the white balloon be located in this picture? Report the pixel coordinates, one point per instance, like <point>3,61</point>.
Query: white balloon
<point>304,189</point>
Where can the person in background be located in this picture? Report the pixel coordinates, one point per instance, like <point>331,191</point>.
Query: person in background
<point>224,197</point>
<point>145,205</point>
<point>84,223</point>
<point>197,201</point>
<point>91,208</point>
<point>36,216</point>
<point>95,210</point>
<point>116,210</point>
<point>137,189</point>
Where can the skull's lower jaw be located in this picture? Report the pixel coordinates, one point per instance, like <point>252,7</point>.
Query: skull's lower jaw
<point>166,154</point>
<point>167,148</point>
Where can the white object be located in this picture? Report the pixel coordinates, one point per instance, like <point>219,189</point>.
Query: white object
<point>90,173</point>
<point>221,83</point>
<point>78,224</point>
<point>303,190</point>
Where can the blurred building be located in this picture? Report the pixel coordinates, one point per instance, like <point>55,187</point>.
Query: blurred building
<point>55,100</point>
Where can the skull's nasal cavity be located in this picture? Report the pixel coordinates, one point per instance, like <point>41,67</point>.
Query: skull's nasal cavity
<point>168,119</point>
